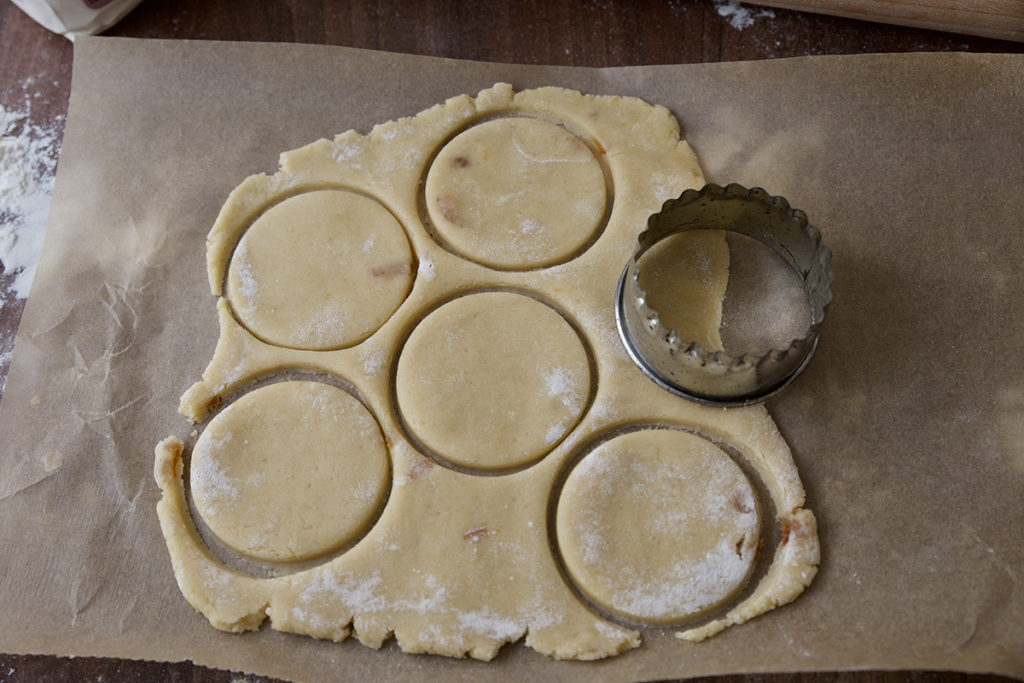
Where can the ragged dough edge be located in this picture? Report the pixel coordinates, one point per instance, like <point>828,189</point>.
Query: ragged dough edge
<point>238,359</point>
<point>234,602</point>
<point>237,603</point>
<point>230,366</point>
<point>793,568</point>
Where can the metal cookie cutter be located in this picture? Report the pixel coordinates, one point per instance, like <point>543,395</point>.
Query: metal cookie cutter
<point>687,369</point>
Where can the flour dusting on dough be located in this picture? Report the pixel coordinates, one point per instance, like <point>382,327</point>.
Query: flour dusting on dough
<point>347,151</point>
<point>427,269</point>
<point>489,623</point>
<point>209,478</point>
<point>702,528</point>
<point>373,360</point>
<point>564,384</point>
<point>249,282</point>
<point>321,328</point>
<point>686,587</point>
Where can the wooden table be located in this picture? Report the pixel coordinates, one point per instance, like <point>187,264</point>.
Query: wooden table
<point>37,64</point>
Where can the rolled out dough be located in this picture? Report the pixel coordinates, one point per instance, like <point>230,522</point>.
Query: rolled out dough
<point>516,192</point>
<point>320,270</point>
<point>492,380</point>
<point>658,526</point>
<point>290,471</point>
<point>502,362</point>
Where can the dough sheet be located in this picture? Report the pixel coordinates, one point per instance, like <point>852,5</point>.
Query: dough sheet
<point>496,382</point>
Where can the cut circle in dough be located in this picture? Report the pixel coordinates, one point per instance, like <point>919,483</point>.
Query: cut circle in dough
<point>492,380</point>
<point>658,526</point>
<point>278,439</point>
<point>516,193</point>
<point>320,270</point>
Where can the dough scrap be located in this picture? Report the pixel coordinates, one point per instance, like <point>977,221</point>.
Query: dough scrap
<point>289,471</point>
<point>658,526</point>
<point>492,380</point>
<point>458,563</point>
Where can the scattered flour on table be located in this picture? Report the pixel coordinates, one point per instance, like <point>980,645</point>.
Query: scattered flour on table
<point>740,17</point>
<point>28,162</point>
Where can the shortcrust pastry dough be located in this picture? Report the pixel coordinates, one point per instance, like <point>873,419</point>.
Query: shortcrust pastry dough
<point>320,270</point>
<point>516,192</point>
<point>658,525</point>
<point>459,562</point>
<point>289,471</point>
<point>492,380</point>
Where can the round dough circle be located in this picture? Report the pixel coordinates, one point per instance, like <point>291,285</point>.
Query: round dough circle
<point>290,471</point>
<point>321,270</point>
<point>516,193</point>
<point>493,380</point>
<point>657,526</point>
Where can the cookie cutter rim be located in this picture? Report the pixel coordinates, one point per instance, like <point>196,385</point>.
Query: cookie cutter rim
<point>687,369</point>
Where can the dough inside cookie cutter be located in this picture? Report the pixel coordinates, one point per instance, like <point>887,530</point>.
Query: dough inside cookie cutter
<point>685,367</point>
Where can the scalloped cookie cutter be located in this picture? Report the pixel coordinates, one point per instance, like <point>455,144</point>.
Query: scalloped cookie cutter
<point>687,369</point>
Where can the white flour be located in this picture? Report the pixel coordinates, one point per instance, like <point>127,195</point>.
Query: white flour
<point>739,16</point>
<point>28,162</point>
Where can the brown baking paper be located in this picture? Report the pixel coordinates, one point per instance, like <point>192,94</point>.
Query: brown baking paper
<point>908,426</point>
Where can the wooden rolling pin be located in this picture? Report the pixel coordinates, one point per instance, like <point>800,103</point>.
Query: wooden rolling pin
<point>1003,19</point>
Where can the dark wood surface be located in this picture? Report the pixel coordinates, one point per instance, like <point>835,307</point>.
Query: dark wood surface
<point>36,64</point>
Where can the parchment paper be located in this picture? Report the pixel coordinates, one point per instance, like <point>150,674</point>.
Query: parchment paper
<point>908,426</point>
